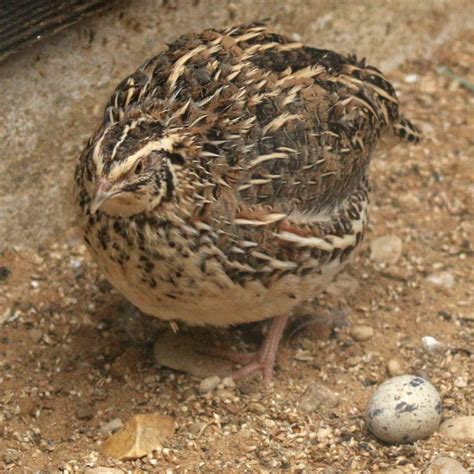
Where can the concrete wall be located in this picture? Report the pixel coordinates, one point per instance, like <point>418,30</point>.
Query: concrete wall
<point>52,93</point>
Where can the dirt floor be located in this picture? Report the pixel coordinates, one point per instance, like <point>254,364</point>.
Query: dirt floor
<point>71,361</point>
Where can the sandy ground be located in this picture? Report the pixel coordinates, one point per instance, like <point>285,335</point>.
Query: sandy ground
<point>70,362</point>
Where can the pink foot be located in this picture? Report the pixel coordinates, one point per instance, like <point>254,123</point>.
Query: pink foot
<point>257,362</point>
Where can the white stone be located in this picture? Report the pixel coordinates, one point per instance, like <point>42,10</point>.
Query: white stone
<point>431,344</point>
<point>404,409</point>
<point>443,279</point>
<point>411,78</point>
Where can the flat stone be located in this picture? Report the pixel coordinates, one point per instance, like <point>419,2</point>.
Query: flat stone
<point>386,249</point>
<point>140,436</point>
<point>461,427</point>
<point>318,397</point>
<point>362,333</point>
<point>445,465</point>
<point>181,352</point>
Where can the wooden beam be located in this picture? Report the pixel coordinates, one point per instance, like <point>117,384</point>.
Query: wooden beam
<point>23,22</point>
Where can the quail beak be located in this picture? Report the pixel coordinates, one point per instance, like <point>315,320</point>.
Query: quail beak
<point>103,192</point>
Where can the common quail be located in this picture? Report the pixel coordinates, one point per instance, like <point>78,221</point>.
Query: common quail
<point>228,181</point>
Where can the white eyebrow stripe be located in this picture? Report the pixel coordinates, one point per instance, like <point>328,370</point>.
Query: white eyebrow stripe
<point>129,163</point>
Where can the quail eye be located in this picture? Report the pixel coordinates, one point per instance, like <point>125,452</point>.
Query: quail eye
<point>138,168</point>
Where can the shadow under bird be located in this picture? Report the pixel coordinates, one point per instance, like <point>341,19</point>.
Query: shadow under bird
<point>228,181</point>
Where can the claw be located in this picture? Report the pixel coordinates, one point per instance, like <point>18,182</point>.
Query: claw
<point>262,361</point>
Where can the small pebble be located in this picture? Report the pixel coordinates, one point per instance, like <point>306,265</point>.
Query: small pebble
<point>85,412</point>
<point>36,335</point>
<point>257,408</point>
<point>411,78</point>
<point>461,382</point>
<point>361,333</point>
<point>394,367</point>
<point>443,279</point>
<point>228,382</point>
<point>11,456</point>
<point>445,465</point>
<point>317,396</point>
<point>431,344</point>
<point>4,316</point>
<point>404,409</point>
<point>4,273</point>
<point>386,249</point>
<point>323,433</point>
<point>209,384</point>
<point>461,427</point>
<point>197,427</point>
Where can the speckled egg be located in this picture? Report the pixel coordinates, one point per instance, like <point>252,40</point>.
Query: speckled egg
<point>404,409</point>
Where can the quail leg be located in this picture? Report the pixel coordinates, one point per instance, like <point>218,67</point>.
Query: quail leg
<point>261,361</point>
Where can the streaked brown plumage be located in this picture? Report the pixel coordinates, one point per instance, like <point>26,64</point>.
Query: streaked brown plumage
<point>228,181</point>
